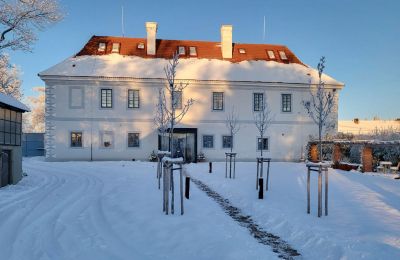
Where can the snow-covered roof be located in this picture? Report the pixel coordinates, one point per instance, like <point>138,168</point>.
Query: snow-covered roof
<point>116,65</point>
<point>12,102</point>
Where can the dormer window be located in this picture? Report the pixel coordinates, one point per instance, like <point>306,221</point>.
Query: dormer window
<point>181,50</point>
<point>102,47</point>
<point>242,51</point>
<point>115,47</point>
<point>192,51</point>
<point>271,55</point>
<point>283,55</point>
<point>140,46</point>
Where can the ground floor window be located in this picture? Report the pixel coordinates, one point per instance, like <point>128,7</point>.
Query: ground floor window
<point>262,144</point>
<point>226,141</point>
<point>76,139</point>
<point>133,140</point>
<point>107,139</point>
<point>208,141</point>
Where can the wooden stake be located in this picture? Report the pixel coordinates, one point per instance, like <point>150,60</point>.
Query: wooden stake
<point>266,185</point>
<point>181,189</point>
<point>261,189</point>
<point>319,192</point>
<point>187,187</point>
<point>326,192</point>
<point>210,167</point>
<point>257,175</point>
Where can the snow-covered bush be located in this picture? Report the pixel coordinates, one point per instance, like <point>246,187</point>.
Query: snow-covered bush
<point>153,157</point>
<point>389,153</point>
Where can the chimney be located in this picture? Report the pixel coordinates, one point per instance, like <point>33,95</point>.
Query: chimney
<point>226,41</point>
<point>151,28</point>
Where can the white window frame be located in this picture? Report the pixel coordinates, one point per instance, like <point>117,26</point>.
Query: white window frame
<point>102,47</point>
<point>116,47</point>
<point>271,54</point>
<point>193,51</point>
<point>181,50</point>
<point>283,56</point>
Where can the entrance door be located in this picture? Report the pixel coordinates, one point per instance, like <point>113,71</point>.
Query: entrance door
<point>5,175</point>
<point>185,144</point>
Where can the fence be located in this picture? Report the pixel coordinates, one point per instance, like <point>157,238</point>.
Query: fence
<point>32,144</point>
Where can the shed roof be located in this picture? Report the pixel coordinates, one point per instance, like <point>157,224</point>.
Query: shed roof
<point>13,103</point>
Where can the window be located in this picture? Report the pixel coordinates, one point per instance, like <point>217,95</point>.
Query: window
<point>177,98</point>
<point>107,139</point>
<point>133,98</point>
<point>192,51</point>
<point>208,141</point>
<point>262,144</point>
<point>271,55</point>
<point>226,141</point>
<point>76,139</point>
<point>181,50</point>
<point>76,97</point>
<point>258,101</point>
<point>115,47</point>
<point>140,45</point>
<point>10,127</point>
<point>102,47</point>
<point>283,55</point>
<point>242,51</point>
<point>218,100</point>
<point>286,103</point>
<point>133,140</point>
<point>106,98</point>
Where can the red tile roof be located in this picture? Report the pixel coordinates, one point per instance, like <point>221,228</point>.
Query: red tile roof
<point>205,50</point>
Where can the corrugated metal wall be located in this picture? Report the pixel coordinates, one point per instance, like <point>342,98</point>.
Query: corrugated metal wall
<point>33,144</point>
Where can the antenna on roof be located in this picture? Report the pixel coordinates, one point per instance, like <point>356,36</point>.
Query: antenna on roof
<point>264,30</point>
<point>122,21</point>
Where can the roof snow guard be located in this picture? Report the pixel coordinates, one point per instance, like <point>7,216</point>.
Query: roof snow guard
<point>8,101</point>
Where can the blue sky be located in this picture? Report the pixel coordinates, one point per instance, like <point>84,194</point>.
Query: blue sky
<point>360,39</point>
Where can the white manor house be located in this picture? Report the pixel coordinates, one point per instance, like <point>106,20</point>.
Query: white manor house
<point>101,102</point>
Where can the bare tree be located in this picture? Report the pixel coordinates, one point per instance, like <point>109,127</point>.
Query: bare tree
<point>19,18</point>
<point>262,119</point>
<point>232,123</point>
<point>174,110</point>
<point>321,105</point>
<point>161,118</point>
<point>10,83</point>
<point>34,120</point>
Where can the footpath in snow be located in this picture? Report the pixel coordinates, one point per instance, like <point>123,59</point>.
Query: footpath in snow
<point>112,210</point>
<point>364,210</point>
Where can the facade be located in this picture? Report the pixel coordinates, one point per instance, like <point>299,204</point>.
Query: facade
<point>100,103</point>
<point>10,139</point>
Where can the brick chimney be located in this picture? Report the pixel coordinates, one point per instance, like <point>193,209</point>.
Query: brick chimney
<point>226,41</point>
<point>151,28</point>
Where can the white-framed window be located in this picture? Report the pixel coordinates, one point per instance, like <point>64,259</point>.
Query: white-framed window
<point>115,47</point>
<point>258,101</point>
<point>218,101</point>
<point>262,144</point>
<point>286,103</point>
<point>107,139</point>
<point>106,98</point>
<point>140,45</point>
<point>242,51</point>
<point>192,51</point>
<point>102,47</point>
<point>133,140</point>
<point>181,50</point>
<point>283,56</point>
<point>76,139</point>
<point>208,141</point>
<point>227,141</point>
<point>133,98</point>
<point>271,54</point>
<point>76,97</point>
<point>177,98</point>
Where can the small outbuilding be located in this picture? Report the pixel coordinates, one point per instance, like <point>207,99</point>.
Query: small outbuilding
<point>10,139</point>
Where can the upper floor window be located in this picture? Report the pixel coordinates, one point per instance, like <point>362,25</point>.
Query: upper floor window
<point>133,98</point>
<point>271,55</point>
<point>208,141</point>
<point>242,51</point>
<point>115,47</point>
<point>262,144</point>
<point>283,55</point>
<point>192,51</point>
<point>140,45</point>
<point>286,102</point>
<point>76,139</point>
<point>218,100</point>
<point>181,50</point>
<point>106,98</point>
<point>258,101</point>
<point>177,99</point>
<point>133,140</point>
<point>102,47</point>
<point>226,141</point>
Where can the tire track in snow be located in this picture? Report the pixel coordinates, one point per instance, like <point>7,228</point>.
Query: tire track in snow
<point>279,246</point>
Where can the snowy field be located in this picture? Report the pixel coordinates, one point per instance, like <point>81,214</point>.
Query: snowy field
<point>113,210</point>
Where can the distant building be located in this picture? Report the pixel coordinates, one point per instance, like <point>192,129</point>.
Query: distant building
<point>10,139</point>
<point>362,127</point>
<point>100,103</point>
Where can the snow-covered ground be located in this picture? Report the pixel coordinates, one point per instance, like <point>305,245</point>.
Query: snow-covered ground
<point>113,210</point>
<point>364,210</point>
